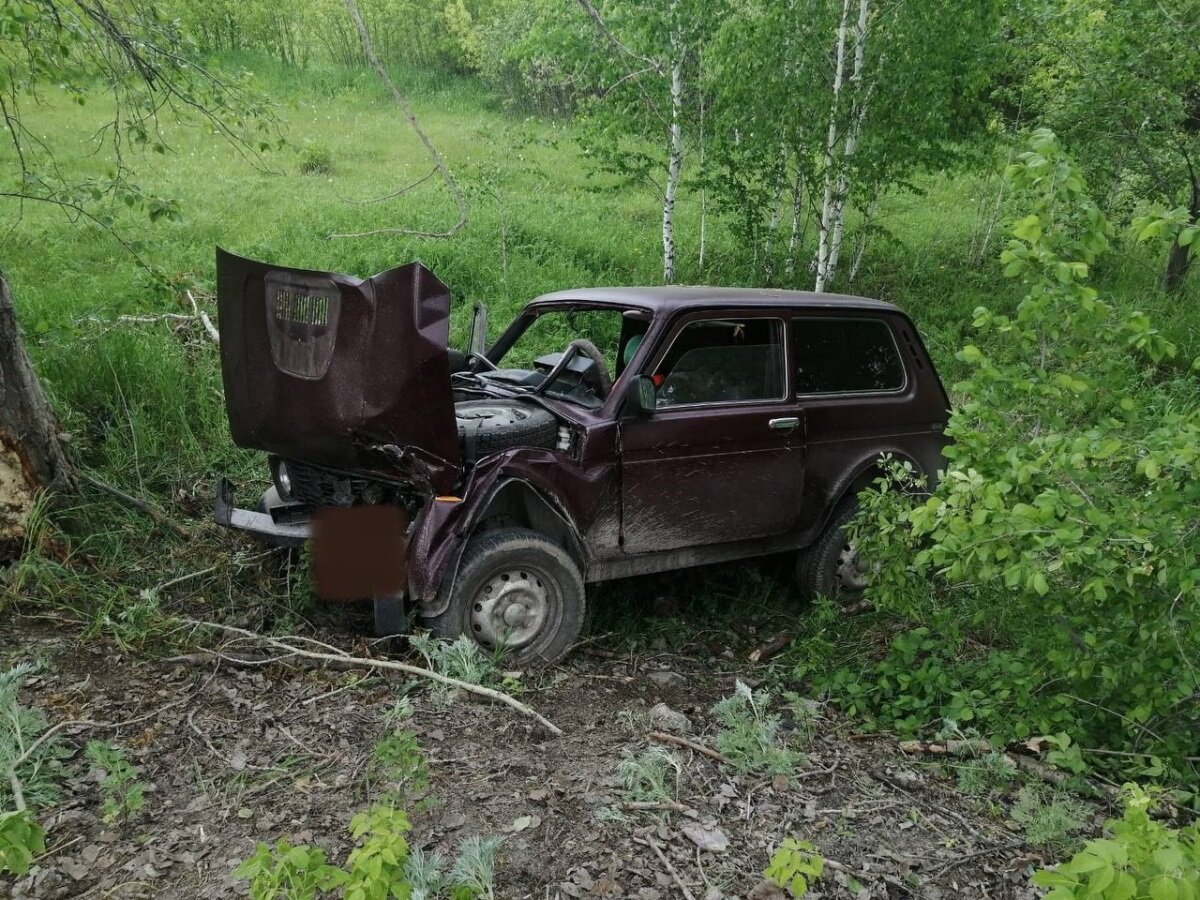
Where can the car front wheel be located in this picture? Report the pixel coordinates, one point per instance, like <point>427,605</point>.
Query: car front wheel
<point>515,591</point>
<point>831,567</point>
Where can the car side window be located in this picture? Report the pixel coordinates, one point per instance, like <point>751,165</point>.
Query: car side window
<point>844,356</point>
<point>722,361</point>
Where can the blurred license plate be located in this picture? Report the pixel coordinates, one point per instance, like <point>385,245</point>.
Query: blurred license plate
<point>359,552</point>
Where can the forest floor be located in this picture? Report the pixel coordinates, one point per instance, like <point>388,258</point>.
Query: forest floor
<point>232,755</point>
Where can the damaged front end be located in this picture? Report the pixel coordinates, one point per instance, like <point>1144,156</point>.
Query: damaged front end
<point>344,381</point>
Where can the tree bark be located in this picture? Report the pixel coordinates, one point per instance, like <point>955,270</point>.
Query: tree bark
<point>838,214</point>
<point>826,232</point>
<point>31,457</point>
<point>675,160</point>
<point>1179,257</point>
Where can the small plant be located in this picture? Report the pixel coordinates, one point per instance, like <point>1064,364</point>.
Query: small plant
<point>475,869</point>
<point>21,839</point>
<point>316,159</point>
<point>749,737</point>
<point>377,867</point>
<point>986,776</point>
<point>288,872</point>
<point>1142,858</point>
<point>29,752</point>
<point>123,794</point>
<point>461,659</point>
<point>804,716</point>
<point>1048,818</point>
<point>397,758</point>
<point>794,866</point>
<point>649,777</point>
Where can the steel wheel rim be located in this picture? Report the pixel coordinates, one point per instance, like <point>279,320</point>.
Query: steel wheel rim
<point>849,575</point>
<point>511,608</point>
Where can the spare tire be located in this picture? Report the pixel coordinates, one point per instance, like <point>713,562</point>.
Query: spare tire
<point>488,426</point>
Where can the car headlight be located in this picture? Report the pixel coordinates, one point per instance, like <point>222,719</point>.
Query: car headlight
<point>283,481</point>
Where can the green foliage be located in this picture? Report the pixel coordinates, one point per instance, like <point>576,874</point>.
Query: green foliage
<point>316,159</point>
<point>795,866</point>
<point>1059,529</point>
<point>988,776</point>
<point>750,736</point>
<point>462,659</point>
<point>288,872</point>
<point>1143,858</point>
<point>398,762</point>
<point>123,794</point>
<point>1048,817</point>
<point>381,866</point>
<point>21,839</point>
<point>35,766</point>
<point>651,776</point>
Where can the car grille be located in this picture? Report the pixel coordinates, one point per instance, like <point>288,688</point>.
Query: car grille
<point>319,488</point>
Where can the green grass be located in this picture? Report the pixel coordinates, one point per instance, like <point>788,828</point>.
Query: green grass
<point>143,402</point>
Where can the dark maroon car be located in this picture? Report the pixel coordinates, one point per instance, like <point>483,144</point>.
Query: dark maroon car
<point>608,432</point>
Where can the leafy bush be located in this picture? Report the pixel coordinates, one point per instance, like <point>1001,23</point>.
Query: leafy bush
<point>21,838</point>
<point>750,736</point>
<point>1063,529</point>
<point>316,159</point>
<point>794,866</point>
<point>1142,858</point>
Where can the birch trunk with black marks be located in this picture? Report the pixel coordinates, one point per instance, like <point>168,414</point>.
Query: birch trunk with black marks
<point>833,214</point>
<point>31,457</point>
<point>675,158</point>
<point>797,235</point>
<point>773,224</point>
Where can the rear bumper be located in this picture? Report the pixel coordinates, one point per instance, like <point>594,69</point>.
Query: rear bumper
<point>275,520</point>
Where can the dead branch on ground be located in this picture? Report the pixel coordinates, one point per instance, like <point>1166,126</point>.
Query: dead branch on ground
<point>663,738</point>
<point>288,645</point>
<point>157,515</point>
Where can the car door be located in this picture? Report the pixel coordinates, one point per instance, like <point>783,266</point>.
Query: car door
<point>721,457</point>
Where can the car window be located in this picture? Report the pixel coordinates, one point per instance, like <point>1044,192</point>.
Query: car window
<point>837,356</point>
<point>553,330</point>
<point>722,361</point>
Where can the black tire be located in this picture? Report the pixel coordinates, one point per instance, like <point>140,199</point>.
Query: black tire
<point>518,590</point>
<point>488,426</point>
<point>829,567</point>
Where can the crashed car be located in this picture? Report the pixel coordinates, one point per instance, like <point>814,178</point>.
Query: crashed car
<point>668,427</point>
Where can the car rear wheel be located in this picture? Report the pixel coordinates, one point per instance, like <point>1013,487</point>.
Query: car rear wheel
<point>488,426</point>
<point>831,567</point>
<point>515,591</point>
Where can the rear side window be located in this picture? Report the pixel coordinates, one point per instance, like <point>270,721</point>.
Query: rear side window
<point>842,356</point>
<point>723,361</point>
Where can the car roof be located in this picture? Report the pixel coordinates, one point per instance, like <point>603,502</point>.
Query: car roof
<point>681,297</point>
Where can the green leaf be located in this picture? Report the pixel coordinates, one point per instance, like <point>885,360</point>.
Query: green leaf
<point>1028,229</point>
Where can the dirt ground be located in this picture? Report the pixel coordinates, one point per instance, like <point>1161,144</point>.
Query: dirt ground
<point>235,755</point>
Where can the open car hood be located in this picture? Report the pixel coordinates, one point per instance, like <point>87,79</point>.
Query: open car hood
<point>339,370</point>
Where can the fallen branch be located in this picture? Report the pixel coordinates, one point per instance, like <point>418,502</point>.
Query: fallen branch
<point>159,517</point>
<point>204,320</point>
<point>771,648</point>
<point>663,738</point>
<point>653,845</point>
<point>347,660</point>
<point>664,806</point>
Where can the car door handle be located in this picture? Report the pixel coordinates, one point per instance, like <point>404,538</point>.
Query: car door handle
<point>784,424</point>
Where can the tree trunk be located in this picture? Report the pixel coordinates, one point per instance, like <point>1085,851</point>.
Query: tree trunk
<point>826,233</point>
<point>31,457</point>
<point>675,161</point>
<point>1179,257</point>
<point>838,214</point>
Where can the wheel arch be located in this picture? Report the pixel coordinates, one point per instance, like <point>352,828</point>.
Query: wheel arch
<point>860,476</point>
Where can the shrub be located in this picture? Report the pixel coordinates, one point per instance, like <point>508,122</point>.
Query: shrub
<point>1142,858</point>
<point>1063,527</point>
<point>316,159</point>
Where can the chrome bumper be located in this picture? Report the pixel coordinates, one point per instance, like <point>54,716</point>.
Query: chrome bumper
<point>270,521</point>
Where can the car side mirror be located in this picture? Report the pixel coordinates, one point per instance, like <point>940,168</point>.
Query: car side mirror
<point>639,397</point>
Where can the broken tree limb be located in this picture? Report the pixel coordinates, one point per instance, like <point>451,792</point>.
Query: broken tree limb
<point>439,163</point>
<point>204,320</point>
<point>663,738</point>
<point>346,659</point>
<point>157,515</point>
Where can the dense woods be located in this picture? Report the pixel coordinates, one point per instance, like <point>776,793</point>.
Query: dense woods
<point>1021,176</point>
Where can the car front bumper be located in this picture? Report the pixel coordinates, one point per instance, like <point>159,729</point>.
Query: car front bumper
<point>276,521</point>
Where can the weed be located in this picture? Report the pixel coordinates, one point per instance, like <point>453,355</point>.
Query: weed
<point>123,794</point>
<point>1048,817</point>
<point>794,866</point>
<point>1142,858</point>
<point>651,776</point>
<point>805,714</point>
<point>288,872</point>
<point>750,736</point>
<point>32,768</point>
<point>475,869</point>
<point>461,659</point>
<point>376,867</point>
<point>397,760</point>
<point>21,839</point>
<point>986,776</point>
<point>316,159</point>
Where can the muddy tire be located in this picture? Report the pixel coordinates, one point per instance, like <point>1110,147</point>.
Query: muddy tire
<point>488,426</point>
<point>516,590</point>
<point>830,568</point>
